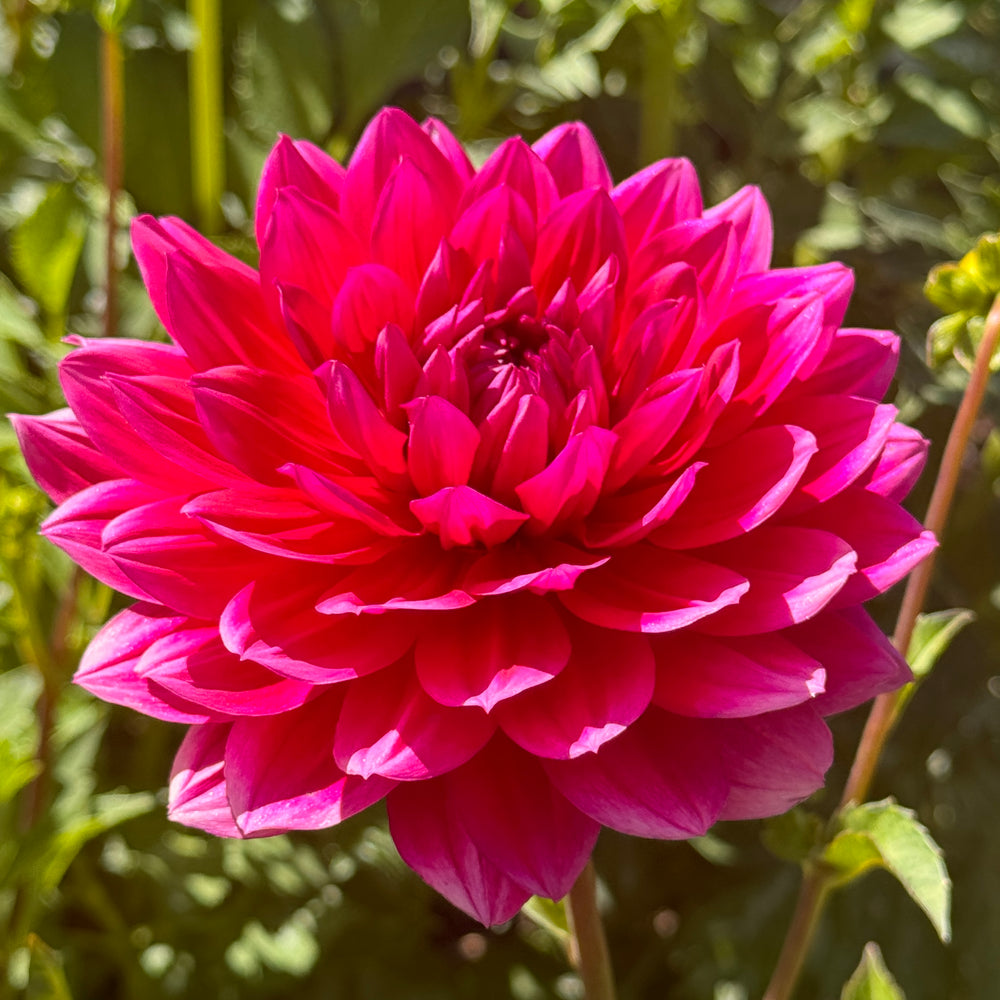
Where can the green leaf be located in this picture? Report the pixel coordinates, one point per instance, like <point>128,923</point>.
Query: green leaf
<point>47,245</point>
<point>932,635</point>
<point>885,835</point>
<point>794,835</point>
<point>46,979</point>
<point>550,914</point>
<point>15,772</point>
<point>913,24</point>
<point>871,980</point>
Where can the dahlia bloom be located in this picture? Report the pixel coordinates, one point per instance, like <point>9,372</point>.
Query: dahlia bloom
<point>527,502</point>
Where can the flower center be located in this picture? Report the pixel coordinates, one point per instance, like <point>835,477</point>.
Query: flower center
<point>515,340</point>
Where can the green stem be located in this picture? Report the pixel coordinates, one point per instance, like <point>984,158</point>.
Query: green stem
<point>589,950</point>
<point>112,134</point>
<point>885,711</point>
<point>208,162</point>
<point>660,80</point>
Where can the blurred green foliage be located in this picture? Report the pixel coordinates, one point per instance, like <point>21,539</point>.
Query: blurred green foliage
<point>873,128</point>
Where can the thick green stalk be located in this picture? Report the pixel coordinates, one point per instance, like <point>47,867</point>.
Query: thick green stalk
<point>208,153</point>
<point>112,137</point>
<point>589,950</point>
<point>885,711</point>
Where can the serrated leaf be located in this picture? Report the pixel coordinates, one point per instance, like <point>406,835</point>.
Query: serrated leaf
<point>932,635</point>
<point>549,914</point>
<point>871,980</point>
<point>46,247</point>
<point>884,834</point>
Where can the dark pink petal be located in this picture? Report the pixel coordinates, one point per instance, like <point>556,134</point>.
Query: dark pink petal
<point>747,210</point>
<point>281,775</point>
<point>391,136</point>
<point>425,819</point>
<point>410,221</point>
<point>735,677</point>
<point>212,309</point>
<point>542,567</point>
<point>524,452</point>
<point>82,375</point>
<point>606,685</point>
<point>514,166</point>
<point>649,426</point>
<point>260,421</point>
<point>627,518</point>
<point>899,466</point>
<point>412,576</point>
<point>574,159</point>
<point>279,522</point>
<point>78,525</point>
<point>889,541</point>
<point>793,572</point>
<point>301,165</point>
<point>107,667</point>
<point>306,320</point>
<point>490,651</point>
<point>575,241</point>
<point>161,410</point>
<point>307,245</point>
<point>460,515</point>
<point>657,198</point>
<point>442,444</point>
<point>191,663</point>
<point>272,621</point>
<point>60,456</point>
<point>858,363</point>
<point>774,761</point>
<point>850,434</point>
<point>644,589</point>
<point>445,140</point>
<point>390,726</point>
<point>743,484</point>
<point>371,297</point>
<point>570,484</point>
<point>178,561</point>
<point>358,423</point>
<point>520,822</point>
<point>860,661</point>
<point>663,777</point>
<point>198,782</point>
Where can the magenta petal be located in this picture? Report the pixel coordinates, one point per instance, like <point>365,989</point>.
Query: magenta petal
<point>460,515</point>
<point>606,685</point>
<point>272,622</point>
<point>571,483</point>
<point>370,298</point>
<point>108,666</point>
<point>198,783</point>
<point>858,363</point>
<point>663,777</point>
<point>514,166</point>
<point>491,650</point>
<point>860,661</point>
<point>193,664</point>
<point>900,464</point>
<point>425,820</point>
<point>774,761</point>
<point>281,774</point>
<point>442,444</point>
<point>60,456</point>
<point>748,212</point>
<point>574,159</point>
<point>77,527</point>
<point>540,568</point>
<point>643,589</point>
<point>734,677</point>
<point>390,726</point>
<point>889,542</point>
<point>298,164</point>
<point>657,198</point>
<point>743,484</point>
<point>177,561</point>
<point>520,822</point>
<point>445,140</point>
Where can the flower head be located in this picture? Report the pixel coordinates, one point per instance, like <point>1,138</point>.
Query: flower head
<point>527,502</point>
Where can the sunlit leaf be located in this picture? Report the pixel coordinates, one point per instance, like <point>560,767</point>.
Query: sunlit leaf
<point>871,980</point>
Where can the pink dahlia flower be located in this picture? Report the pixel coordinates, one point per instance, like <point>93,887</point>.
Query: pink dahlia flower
<point>529,503</point>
